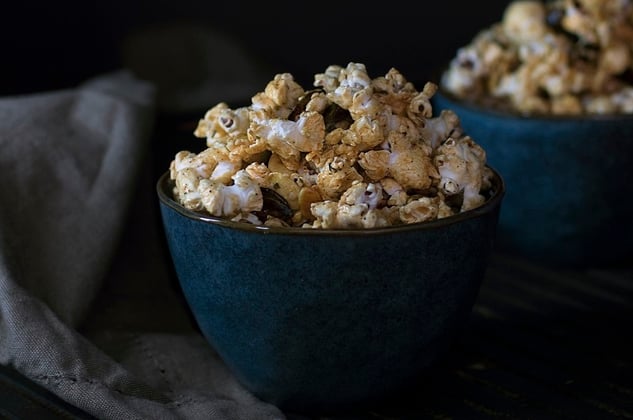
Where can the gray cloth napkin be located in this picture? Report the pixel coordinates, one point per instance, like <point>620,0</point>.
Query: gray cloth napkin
<point>87,307</point>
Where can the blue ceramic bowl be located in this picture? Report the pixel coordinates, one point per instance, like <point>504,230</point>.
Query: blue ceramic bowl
<point>570,191</point>
<point>312,319</point>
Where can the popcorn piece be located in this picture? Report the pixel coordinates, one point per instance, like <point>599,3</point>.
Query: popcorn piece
<point>278,99</point>
<point>243,196</point>
<point>438,129</point>
<point>525,21</point>
<point>351,80</point>
<point>289,138</point>
<point>221,122</point>
<point>186,188</point>
<point>461,165</point>
<point>420,210</point>
<point>354,153</point>
<point>337,176</point>
<point>357,208</point>
<point>408,163</point>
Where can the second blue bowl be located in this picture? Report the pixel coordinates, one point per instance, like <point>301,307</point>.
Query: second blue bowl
<point>569,181</point>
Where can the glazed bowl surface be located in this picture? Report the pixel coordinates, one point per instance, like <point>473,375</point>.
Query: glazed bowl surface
<point>570,195</point>
<point>315,319</point>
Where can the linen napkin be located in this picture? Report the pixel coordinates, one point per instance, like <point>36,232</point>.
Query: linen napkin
<point>87,307</point>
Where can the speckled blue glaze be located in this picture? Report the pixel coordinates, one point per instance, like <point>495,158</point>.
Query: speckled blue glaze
<point>569,180</point>
<point>320,320</point>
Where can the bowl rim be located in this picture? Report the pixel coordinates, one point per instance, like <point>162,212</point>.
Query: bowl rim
<point>507,113</point>
<point>493,202</point>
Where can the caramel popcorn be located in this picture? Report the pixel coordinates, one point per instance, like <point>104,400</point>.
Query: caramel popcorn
<point>354,152</point>
<point>560,57</point>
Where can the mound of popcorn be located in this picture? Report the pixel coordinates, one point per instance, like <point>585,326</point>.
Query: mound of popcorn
<point>561,57</point>
<point>353,152</point>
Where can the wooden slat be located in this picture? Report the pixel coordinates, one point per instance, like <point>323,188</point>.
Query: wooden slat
<point>541,343</point>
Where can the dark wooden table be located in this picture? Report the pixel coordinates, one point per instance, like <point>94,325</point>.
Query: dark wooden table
<point>542,343</point>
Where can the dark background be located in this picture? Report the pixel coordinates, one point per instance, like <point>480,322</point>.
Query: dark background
<point>51,45</point>
<point>544,352</point>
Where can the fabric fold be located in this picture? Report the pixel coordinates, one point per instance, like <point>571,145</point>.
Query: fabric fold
<point>72,164</point>
<point>68,164</point>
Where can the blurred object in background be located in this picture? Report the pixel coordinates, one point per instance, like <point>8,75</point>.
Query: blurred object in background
<point>52,45</point>
<point>193,66</point>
